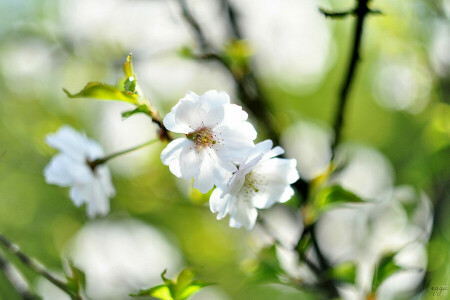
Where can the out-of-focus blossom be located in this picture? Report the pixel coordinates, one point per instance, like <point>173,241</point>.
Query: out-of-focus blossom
<point>70,168</point>
<point>217,133</point>
<point>310,144</point>
<point>364,171</point>
<point>260,182</point>
<point>402,84</point>
<point>122,256</point>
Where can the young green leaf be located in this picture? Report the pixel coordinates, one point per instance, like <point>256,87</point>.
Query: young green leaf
<point>140,109</point>
<point>76,280</point>
<point>104,91</point>
<point>333,195</point>
<point>128,67</point>
<point>385,268</point>
<point>160,291</point>
<point>345,272</point>
<point>267,267</point>
<point>179,289</point>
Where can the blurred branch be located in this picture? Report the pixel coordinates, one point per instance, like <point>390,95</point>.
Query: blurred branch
<point>248,87</point>
<point>16,279</point>
<point>361,12</point>
<point>201,39</point>
<point>37,267</point>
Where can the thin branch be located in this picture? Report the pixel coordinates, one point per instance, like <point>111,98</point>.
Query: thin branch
<point>361,12</point>
<point>102,160</point>
<point>37,267</point>
<point>336,15</point>
<point>16,279</point>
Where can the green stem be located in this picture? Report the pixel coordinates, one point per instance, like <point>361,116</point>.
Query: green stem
<point>37,267</point>
<point>102,160</point>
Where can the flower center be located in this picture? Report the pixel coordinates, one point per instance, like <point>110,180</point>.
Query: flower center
<point>202,137</point>
<point>252,183</point>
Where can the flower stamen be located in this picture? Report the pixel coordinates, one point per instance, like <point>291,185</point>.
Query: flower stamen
<point>202,137</point>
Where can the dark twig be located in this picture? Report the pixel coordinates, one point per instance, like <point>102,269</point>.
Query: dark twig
<point>361,12</point>
<point>336,15</point>
<point>37,267</point>
<point>16,279</point>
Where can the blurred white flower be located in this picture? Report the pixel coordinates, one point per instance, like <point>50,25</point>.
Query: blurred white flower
<point>216,133</point>
<point>70,168</point>
<point>122,256</point>
<point>260,182</point>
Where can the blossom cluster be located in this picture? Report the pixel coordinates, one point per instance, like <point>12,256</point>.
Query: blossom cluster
<point>217,150</point>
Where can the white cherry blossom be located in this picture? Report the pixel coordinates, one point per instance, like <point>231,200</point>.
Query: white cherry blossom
<point>260,181</point>
<point>70,168</point>
<point>216,134</point>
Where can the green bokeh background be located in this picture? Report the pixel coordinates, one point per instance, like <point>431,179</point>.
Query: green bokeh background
<point>42,219</point>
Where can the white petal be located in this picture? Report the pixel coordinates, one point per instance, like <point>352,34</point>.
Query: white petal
<point>274,152</point>
<point>236,182</point>
<point>236,141</point>
<point>97,202</point>
<point>279,170</point>
<point>56,172</point>
<point>172,125</point>
<point>171,154</point>
<point>270,194</point>
<point>223,168</point>
<point>264,146</point>
<point>234,115</point>
<point>212,99</point>
<point>76,196</point>
<point>243,214</point>
<point>93,150</point>
<point>214,117</point>
<point>104,176</point>
<point>69,141</point>
<point>205,179</point>
<point>64,171</point>
<point>190,162</point>
<point>190,114</point>
<point>220,204</point>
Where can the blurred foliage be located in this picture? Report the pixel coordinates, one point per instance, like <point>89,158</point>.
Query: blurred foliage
<point>40,55</point>
<point>180,288</point>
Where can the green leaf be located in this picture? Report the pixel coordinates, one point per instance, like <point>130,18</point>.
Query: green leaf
<point>180,289</point>
<point>185,52</point>
<point>239,50</point>
<point>267,267</point>
<point>130,84</point>
<point>76,280</point>
<point>345,272</point>
<point>128,67</point>
<point>140,109</point>
<point>193,287</point>
<point>333,195</point>
<point>160,291</point>
<point>385,268</point>
<point>104,91</point>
